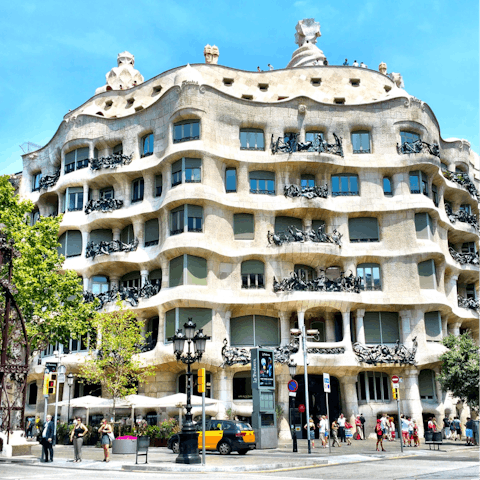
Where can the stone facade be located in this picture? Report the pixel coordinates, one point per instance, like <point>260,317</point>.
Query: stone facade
<point>388,206</point>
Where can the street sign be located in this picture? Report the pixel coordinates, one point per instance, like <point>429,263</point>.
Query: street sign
<point>292,386</point>
<point>292,394</point>
<point>395,379</point>
<point>326,383</point>
<point>61,378</point>
<point>301,408</point>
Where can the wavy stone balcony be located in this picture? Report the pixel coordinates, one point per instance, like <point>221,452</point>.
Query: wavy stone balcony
<point>294,283</point>
<point>105,205</point>
<point>461,216</point>
<point>49,181</point>
<point>127,294</point>
<point>470,258</point>
<point>294,234</point>
<point>111,161</point>
<point>106,248</point>
<point>463,180</point>
<point>290,144</point>
<point>418,147</point>
<point>293,191</point>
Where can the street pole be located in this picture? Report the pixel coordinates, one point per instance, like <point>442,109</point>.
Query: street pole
<point>305,373</point>
<point>328,428</point>
<point>399,424</point>
<point>55,417</point>
<point>203,427</point>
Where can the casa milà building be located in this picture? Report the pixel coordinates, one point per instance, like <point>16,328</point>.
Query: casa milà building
<point>258,202</point>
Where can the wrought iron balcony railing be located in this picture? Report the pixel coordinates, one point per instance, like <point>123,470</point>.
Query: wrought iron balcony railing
<point>293,234</point>
<point>127,294</point>
<point>111,161</point>
<point>418,147</point>
<point>103,205</point>
<point>290,144</point>
<point>94,249</point>
<point>464,180</point>
<point>294,283</point>
<point>374,354</point>
<point>461,216</point>
<point>471,303</point>
<point>49,180</point>
<point>306,192</point>
<point>470,258</point>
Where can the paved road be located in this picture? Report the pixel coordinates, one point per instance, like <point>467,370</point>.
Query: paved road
<point>460,465</point>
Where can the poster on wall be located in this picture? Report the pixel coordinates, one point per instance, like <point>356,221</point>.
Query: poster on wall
<point>266,368</point>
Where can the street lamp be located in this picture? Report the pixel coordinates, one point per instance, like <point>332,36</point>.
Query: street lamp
<point>70,384</point>
<point>188,436</point>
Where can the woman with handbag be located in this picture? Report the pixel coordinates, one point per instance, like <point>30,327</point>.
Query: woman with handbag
<point>107,433</point>
<point>76,436</point>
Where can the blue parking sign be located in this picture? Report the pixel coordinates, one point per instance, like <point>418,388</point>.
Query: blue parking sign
<point>326,383</point>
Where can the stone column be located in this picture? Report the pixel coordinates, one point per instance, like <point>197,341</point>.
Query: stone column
<point>148,186</point>
<point>455,328</point>
<point>411,404</point>
<point>85,195</point>
<point>440,274</point>
<point>138,231</point>
<point>359,325</point>
<point>85,238</point>
<point>329,327</point>
<point>243,182</point>
<point>284,328</point>
<point>347,338</point>
<point>301,319</point>
<point>405,319</point>
<point>227,316</point>
<point>223,390</point>
<point>444,319</point>
<point>161,326</point>
<point>144,277</point>
<point>87,284</point>
<point>282,379</point>
<point>61,202</point>
<point>451,289</point>
<point>114,282</point>
<point>116,233</point>
<point>348,390</point>
<point>126,186</point>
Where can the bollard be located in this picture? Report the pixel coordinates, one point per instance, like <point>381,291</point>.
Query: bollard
<point>294,438</point>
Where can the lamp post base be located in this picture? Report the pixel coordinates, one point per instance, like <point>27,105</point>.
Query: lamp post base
<point>188,448</point>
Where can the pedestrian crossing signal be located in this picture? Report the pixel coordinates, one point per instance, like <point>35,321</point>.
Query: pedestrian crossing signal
<point>201,380</point>
<point>52,383</point>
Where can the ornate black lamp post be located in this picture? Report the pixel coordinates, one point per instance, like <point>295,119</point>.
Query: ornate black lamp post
<point>70,383</point>
<point>188,436</point>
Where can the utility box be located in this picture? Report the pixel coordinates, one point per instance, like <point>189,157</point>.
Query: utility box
<point>264,418</point>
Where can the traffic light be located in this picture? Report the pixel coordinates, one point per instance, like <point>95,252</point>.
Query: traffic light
<point>201,380</point>
<point>395,393</point>
<point>46,379</point>
<point>52,384</point>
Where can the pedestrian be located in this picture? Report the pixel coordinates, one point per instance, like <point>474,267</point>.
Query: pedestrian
<point>385,425</point>
<point>446,427</point>
<point>453,433</point>
<point>410,431</point>
<point>322,430</point>
<point>345,63</point>
<point>379,432</point>
<point>47,439</point>
<point>469,431</point>
<point>341,427</point>
<point>415,437</point>
<point>358,428</point>
<point>76,436</point>
<point>106,431</point>
<point>362,419</point>
<point>355,63</point>
<point>29,429</point>
<point>392,429</point>
<point>432,425</point>
<point>335,434</point>
<point>404,423</point>
<point>458,429</point>
<point>311,423</point>
<point>348,433</point>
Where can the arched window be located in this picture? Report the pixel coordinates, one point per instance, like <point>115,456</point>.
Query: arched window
<point>147,145</point>
<point>387,186</point>
<point>424,226</point>
<point>409,137</point>
<point>305,272</point>
<point>373,387</point>
<point>131,279</point>
<point>99,284</point>
<point>36,181</point>
<point>426,384</point>
<point>345,185</point>
<point>32,393</point>
<point>332,273</point>
<point>427,274</point>
<point>253,273</point>
<point>361,142</point>
<point>242,386</point>
<point>186,170</point>
<point>243,226</point>
<point>76,159</point>
<point>231,180</point>
<point>252,139</point>
<point>118,149</point>
<point>188,270</point>
<point>137,190</point>
<point>370,275</point>
<point>186,131</point>
<point>151,232</point>
<point>186,218</point>
<point>70,243</point>
<point>262,182</point>
<point>127,235</point>
<point>158,185</point>
<point>418,182</point>
<point>433,326</point>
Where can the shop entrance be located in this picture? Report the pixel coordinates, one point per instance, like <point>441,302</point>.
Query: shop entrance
<point>318,402</point>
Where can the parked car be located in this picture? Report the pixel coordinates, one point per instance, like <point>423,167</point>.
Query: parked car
<point>226,436</point>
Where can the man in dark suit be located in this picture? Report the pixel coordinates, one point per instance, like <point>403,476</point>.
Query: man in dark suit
<point>362,419</point>
<point>47,439</point>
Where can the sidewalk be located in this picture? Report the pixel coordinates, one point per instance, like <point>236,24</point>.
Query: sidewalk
<point>256,460</point>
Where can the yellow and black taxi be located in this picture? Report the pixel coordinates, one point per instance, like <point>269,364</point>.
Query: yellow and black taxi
<point>225,436</point>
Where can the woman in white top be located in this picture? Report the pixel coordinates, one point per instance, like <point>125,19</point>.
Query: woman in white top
<point>312,431</point>
<point>323,426</point>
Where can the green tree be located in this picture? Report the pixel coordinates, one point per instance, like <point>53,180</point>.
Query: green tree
<point>51,299</point>
<point>115,364</point>
<point>460,368</point>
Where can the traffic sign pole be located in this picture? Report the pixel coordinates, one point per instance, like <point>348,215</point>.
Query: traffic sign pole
<point>326,388</point>
<point>396,394</point>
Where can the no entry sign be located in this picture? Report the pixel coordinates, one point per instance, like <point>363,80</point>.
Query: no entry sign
<point>395,379</point>
<point>301,408</point>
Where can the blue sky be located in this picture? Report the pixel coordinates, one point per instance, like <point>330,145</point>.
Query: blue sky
<point>54,54</point>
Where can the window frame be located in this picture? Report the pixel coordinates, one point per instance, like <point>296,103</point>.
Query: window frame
<point>433,275</point>
<point>429,317</point>
<point>380,328</point>
<point>148,145</point>
<point>251,280</point>
<point>250,235</point>
<point>385,191</point>
<point>180,176</point>
<point>345,193</point>
<point>183,137</point>
<point>368,239</point>
<point>262,191</point>
<point>372,284</point>
<point>229,190</point>
<point>158,188</point>
<point>428,398</point>
<point>138,190</point>
<point>422,179</point>
<point>76,164</point>
<point>36,181</point>
<point>245,145</point>
<point>361,141</point>
<point>364,385</point>
<point>254,331</point>
<point>186,219</point>
<point>177,324</point>
<point>77,195</point>
<point>184,280</point>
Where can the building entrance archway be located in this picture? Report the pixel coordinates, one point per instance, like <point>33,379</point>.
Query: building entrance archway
<point>318,402</point>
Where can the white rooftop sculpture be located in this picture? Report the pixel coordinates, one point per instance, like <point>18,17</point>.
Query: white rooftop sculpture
<point>308,54</point>
<point>123,76</point>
